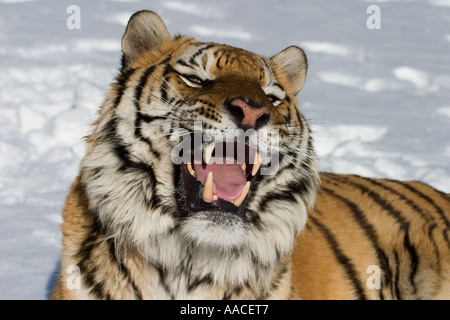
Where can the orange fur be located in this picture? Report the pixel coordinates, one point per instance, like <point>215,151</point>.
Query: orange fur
<point>318,271</point>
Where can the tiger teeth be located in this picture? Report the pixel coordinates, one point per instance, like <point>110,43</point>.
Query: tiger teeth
<point>243,167</point>
<point>208,194</point>
<point>190,169</point>
<point>244,193</point>
<point>208,152</point>
<point>256,163</point>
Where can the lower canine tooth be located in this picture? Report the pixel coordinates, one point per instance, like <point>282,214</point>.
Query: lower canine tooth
<point>244,193</point>
<point>208,194</point>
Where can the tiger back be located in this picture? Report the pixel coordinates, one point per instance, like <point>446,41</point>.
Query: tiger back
<point>374,239</point>
<point>200,181</point>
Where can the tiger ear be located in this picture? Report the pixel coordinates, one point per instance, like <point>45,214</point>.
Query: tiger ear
<point>293,62</point>
<point>145,31</point>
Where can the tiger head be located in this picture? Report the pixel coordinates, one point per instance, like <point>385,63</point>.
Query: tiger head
<point>204,141</point>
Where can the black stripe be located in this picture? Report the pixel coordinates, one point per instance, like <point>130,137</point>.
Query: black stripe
<point>167,69</point>
<point>343,259</point>
<point>199,52</point>
<point>276,196</point>
<point>219,60</point>
<point>436,247</point>
<point>233,292</point>
<point>301,122</point>
<point>164,87</point>
<point>410,203</point>
<point>416,209</point>
<point>183,63</point>
<point>87,269</point>
<point>140,87</point>
<point>122,80</point>
<point>163,92</point>
<point>301,184</point>
<point>293,159</point>
<point>446,231</point>
<point>140,136</point>
<point>155,200</point>
<point>253,218</point>
<point>276,84</point>
<point>397,215</point>
<point>139,116</point>
<point>288,100</point>
<point>162,272</point>
<point>397,277</point>
<point>414,258</point>
<point>206,279</point>
<point>291,164</point>
<point>429,200</point>
<point>148,118</point>
<point>122,153</point>
<point>278,277</point>
<point>142,82</point>
<point>166,60</point>
<point>124,270</point>
<point>99,290</point>
<point>386,206</point>
<point>371,233</point>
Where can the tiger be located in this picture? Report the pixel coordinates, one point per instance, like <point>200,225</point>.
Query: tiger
<point>166,205</point>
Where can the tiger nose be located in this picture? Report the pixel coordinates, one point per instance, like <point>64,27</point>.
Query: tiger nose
<point>247,113</point>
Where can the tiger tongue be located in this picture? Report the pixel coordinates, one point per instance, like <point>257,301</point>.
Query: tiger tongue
<point>228,182</point>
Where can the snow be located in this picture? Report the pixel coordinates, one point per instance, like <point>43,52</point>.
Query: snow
<point>377,100</point>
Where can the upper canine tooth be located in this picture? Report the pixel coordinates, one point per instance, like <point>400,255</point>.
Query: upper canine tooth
<point>244,193</point>
<point>243,166</point>
<point>208,152</point>
<point>190,169</point>
<point>256,163</point>
<point>208,194</point>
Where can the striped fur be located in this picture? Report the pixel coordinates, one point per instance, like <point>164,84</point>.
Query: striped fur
<point>401,227</point>
<point>129,231</point>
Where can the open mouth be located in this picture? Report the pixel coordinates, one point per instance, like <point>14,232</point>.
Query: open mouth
<point>219,177</point>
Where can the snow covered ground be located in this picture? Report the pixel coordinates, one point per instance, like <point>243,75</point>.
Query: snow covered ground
<point>378,100</point>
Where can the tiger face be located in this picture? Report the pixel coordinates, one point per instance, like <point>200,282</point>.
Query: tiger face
<point>203,141</point>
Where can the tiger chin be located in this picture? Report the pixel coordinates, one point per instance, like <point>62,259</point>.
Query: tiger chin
<point>167,206</point>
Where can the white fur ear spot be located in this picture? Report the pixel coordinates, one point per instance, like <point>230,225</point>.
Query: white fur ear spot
<point>293,62</point>
<point>145,31</point>
<point>215,230</point>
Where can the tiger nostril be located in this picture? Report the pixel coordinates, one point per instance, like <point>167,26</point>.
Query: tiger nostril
<point>247,113</point>
<point>236,112</point>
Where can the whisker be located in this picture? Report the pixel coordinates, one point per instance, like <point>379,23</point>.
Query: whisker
<point>161,135</point>
<point>174,90</point>
<point>183,113</point>
<point>146,90</point>
<point>152,106</point>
